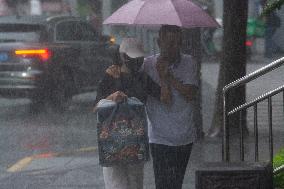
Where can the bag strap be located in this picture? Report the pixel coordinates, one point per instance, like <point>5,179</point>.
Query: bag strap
<point>110,118</point>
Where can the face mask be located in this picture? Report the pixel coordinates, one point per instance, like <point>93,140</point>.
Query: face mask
<point>134,64</point>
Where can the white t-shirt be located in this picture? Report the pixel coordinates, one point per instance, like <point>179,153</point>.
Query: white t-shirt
<point>174,124</point>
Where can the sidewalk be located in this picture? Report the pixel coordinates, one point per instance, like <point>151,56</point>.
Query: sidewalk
<point>81,170</point>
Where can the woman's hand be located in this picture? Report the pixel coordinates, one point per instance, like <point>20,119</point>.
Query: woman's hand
<point>114,71</point>
<point>117,97</point>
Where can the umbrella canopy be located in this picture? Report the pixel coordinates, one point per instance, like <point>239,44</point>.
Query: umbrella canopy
<point>183,13</point>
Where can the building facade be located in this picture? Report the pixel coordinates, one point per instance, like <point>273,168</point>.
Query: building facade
<point>38,7</point>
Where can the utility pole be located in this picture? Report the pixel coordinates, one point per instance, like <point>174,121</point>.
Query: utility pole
<point>73,6</point>
<point>4,9</point>
<point>35,7</point>
<point>106,12</point>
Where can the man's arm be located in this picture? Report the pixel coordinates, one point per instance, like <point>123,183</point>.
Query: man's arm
<point>187,90</point>
<point>105,91</point>
<point>103,88</point>
<point>162,68</point>
<point>152,88</point>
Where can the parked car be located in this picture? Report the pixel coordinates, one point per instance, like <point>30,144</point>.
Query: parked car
<point>50,59</point>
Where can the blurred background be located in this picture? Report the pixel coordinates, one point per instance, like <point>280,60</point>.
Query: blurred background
<point>95,11</point>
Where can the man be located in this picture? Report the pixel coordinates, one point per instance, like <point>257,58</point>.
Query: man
<point>172,130</point>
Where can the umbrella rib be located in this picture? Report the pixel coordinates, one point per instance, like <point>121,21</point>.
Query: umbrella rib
<point>177,14</point>
<point>139,11</point>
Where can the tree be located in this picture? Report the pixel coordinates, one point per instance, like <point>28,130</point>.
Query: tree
<point>272,5</point>
<point>233,63</point>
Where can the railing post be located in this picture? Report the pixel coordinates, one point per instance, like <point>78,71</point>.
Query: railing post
<point>283,101</point>
<point>255,132</point>
<point>242,154</point>
<point>270,128</point>
<point>225,142</point>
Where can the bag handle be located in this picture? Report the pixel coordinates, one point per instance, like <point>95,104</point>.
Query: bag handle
<point>110,118</point>
<point>115,109</point>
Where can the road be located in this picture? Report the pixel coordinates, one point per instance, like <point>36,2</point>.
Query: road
<point>23,135</point>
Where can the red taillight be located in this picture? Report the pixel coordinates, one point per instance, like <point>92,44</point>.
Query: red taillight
<point>44,54</point>
<point>248,43</point>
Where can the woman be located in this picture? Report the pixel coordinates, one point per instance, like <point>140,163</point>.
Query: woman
<point>126,82</point>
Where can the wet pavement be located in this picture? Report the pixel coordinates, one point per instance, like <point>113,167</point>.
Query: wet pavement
<point>80,169</point>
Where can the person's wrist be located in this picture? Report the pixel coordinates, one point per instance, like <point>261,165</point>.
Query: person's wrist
<point>165,94</point>
<point>110,97</point>
<point>169,77</point>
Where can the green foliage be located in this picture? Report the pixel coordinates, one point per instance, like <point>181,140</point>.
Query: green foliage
<point>278,160</point>
<point>271,6</point>
<point>255,27</point>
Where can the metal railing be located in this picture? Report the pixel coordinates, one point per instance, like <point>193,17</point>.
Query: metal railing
<point>278,170</point>
<point>226,113</point>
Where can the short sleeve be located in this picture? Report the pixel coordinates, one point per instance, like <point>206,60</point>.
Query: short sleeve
<point>144,68</point>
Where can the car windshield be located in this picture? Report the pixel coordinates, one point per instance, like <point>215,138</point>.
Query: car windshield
<point>19,32</point>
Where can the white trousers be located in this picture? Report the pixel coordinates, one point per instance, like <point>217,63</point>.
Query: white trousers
<point>124,176</point>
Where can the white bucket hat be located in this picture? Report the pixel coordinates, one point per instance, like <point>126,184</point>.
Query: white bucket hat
<point>132,48</point>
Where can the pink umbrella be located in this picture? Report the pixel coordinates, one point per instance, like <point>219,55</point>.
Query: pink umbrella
<point>183,13</point>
